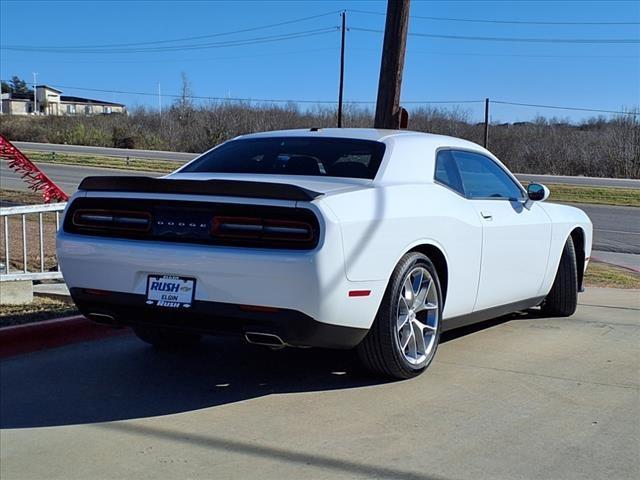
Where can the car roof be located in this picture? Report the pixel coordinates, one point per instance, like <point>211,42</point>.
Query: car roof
<point>375,134</point>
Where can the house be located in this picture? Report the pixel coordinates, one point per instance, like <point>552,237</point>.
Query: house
<point>50,101</point>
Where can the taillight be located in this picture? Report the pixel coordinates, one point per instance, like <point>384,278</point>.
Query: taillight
<point>112,220</point>
<point>235,225</point>
<point>266,229</point>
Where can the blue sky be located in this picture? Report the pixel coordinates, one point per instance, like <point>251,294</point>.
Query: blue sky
<point>600,76</point>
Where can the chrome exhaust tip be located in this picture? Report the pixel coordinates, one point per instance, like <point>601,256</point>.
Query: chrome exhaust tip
<point>103,319</point>
<point>266,339</point>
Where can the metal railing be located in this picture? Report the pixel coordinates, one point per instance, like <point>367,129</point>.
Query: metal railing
<point>7,214</point>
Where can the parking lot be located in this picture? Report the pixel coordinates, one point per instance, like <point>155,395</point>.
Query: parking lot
<point>523,397</point>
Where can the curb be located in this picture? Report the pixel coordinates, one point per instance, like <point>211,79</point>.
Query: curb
<point>61,297</point>
<point>33,337</point>
<point>625,267</point>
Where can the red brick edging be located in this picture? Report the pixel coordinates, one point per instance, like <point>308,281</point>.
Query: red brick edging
<point>31,337</point>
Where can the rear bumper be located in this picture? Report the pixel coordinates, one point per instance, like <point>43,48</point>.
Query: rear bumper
<point>310,282</point>
<point>293,327</point>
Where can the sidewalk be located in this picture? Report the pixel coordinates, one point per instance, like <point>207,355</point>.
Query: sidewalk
<point>528,398</point>
<point>54,291</point>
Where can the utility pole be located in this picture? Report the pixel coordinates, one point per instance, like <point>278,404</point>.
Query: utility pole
<point>486,122</point>
<point>159,100</point>
<point>392,64</point>
<point>344,28</point>
<point>35,99</point>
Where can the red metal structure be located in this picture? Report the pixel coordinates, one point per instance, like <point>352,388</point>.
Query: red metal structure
<point>37,180</point>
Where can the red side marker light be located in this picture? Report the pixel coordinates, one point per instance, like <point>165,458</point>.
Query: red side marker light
<point>359,293</point>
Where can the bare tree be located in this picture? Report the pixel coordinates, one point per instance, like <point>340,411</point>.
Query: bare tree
<point>604,147</point>
<point>185,102</point>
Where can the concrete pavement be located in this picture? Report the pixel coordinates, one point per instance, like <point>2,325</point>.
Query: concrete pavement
<point>532,397</point>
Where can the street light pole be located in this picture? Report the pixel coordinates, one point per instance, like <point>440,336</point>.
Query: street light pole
<point>341,88</point>
<point>35,99</point>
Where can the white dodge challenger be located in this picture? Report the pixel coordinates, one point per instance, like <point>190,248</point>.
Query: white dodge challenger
<point>338,238</point>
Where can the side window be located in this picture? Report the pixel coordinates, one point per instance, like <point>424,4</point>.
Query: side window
<point>447,172</point>
<point>483,178</point>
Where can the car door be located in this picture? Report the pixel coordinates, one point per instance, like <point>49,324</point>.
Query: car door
<point>516,235</point>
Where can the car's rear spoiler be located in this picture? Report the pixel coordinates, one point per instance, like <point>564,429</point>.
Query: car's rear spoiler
<point>227,188</point>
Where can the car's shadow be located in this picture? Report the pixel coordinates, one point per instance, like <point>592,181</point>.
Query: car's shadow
<point>123,378</point>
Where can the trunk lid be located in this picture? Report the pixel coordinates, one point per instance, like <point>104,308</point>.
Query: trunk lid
<point>321,185</point>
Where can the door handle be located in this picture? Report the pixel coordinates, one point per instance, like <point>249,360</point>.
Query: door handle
<point>486,215</point>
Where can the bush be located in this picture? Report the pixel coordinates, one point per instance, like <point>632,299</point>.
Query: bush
<point>596,147</point>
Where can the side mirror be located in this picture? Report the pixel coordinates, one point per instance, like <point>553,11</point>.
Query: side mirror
<point>537,192</point>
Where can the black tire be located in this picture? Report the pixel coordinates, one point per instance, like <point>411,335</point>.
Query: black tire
<point>165,338</point>
<point>380,351</point>
<point>562,300</point>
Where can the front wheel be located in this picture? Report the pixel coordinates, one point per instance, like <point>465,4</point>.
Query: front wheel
<point>562,300</point>
<point>406,331</point>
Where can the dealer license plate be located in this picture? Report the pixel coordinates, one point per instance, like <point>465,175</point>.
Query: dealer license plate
<point>170,291</point>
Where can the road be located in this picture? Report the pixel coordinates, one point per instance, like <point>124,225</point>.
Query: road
<point>107,152</point>
<point>531,398</point>
<point>584,181</point>
<point>617,229</point>
<point>185,157</point>
<point>66,176</point>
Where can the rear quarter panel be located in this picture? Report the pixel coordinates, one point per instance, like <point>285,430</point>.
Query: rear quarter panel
<point>380,224</point>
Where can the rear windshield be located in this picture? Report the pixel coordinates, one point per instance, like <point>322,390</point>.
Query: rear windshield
<point>331,157</point>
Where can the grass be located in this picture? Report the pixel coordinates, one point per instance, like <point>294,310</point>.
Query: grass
<point>598,195</point>
<point>136,164</point>
<point>39,310</point>
<point>559,192</point>
<point>18,197</point>
<point>600,274</point>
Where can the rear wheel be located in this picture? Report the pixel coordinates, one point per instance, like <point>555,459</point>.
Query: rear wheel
<point>405,334</point>
<point>562,300</point>
<point>165,337</point>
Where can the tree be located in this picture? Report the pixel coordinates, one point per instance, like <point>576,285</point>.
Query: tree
<point>185,101</point>
<point>5,87</point>
<point>17,85</point>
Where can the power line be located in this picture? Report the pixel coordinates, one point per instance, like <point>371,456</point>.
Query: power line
<point>327,49</point>
<point>200,46</point>
<point>512,22</point>
<point>514,39</point>
<point>565,108</point>
<point>361,102</point>
<point>180,60</point>
<point>261,100</point>
<point>184,39</point>
<point>434,102</point>
<point>517,55</point>
<point>196,97</point>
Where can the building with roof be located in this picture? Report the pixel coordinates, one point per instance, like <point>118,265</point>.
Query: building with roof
<point>50,101</point>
